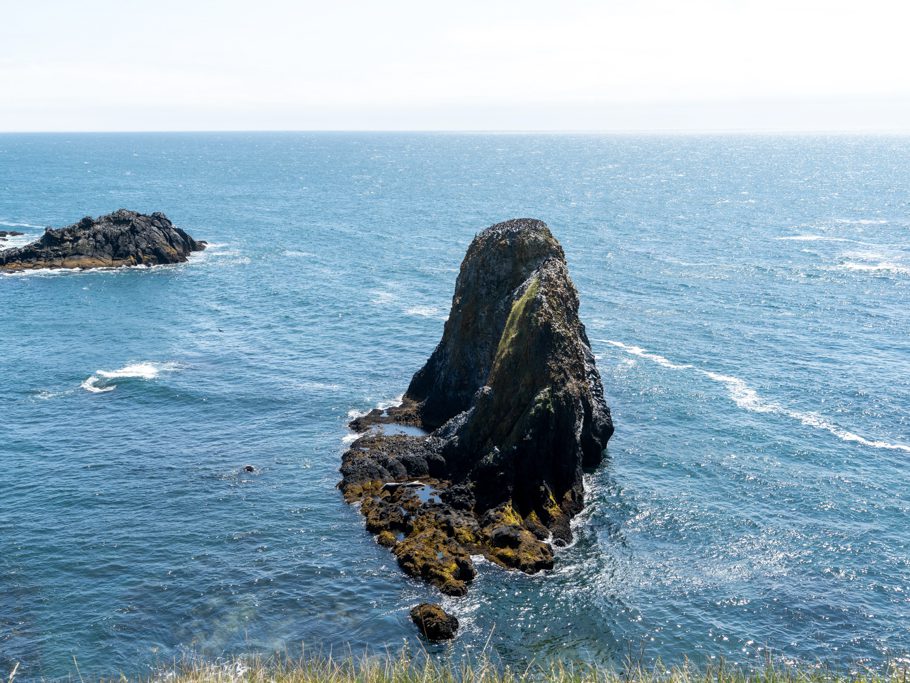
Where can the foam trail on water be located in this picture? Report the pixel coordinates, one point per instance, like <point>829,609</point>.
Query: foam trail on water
<point>882,267</point>
<point>747,398</point>
<point>12,224</point>
<point>144,370</point>
<point>640,352</point>
<point>815,238</point>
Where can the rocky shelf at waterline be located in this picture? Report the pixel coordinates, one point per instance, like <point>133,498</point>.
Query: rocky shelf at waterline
<point>485,454</point>
<point>122,238</point>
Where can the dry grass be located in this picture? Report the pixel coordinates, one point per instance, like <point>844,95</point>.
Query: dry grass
<point>403,668</point>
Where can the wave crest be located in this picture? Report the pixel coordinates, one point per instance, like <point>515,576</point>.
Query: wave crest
<point>99,383</point>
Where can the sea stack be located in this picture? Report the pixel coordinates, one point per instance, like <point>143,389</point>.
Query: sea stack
<point>513,410</point>
<point>122,238</point>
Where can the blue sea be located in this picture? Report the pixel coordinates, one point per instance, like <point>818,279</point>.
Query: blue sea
<point>747,298</point>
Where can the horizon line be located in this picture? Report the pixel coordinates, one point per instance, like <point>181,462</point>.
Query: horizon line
<point>484,131</point>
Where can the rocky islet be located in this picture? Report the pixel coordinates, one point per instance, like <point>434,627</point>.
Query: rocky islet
<point>121,238</point>
<point>485,454</point>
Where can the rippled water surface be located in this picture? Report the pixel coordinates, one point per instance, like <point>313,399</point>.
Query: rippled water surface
<point>747,298</point>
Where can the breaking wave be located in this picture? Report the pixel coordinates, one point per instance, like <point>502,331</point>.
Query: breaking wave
<point>100,382</point>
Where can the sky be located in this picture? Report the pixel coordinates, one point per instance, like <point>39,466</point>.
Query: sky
<point>613,65</point>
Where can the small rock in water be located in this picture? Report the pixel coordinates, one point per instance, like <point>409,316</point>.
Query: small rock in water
<point>249,468</point>
<point>434,622</point>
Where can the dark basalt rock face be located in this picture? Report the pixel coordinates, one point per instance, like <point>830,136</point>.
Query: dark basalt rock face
<point>123,238</point>
<point>513,409</point>
<point>434,622</point>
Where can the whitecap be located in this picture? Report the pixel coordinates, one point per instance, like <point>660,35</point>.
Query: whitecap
<point>881,267</point>
<point>98,384</point>
<point>742,394</point>
<point>638,351</point>
<point>422,311</point>
<point>861,221</point>
<point>90,385</point>
<point>298,254</point>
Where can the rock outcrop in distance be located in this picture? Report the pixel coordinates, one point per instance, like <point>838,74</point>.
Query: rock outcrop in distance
<point>122,238</point>
<point>485,454</point>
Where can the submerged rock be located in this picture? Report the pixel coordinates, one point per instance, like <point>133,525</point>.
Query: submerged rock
<point>123,238</point>
<point>434,622</point>
<point>514,409</point>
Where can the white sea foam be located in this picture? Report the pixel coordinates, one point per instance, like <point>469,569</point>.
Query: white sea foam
<point>12,224</point>
<point>98,383</point>
<point>298,254</point>
<point>749,399</point>
<point>112,270</point>
<point>394,403</point>
<point>381,298</point>
<point>318,386</point>
<point>422,311</point>
<point>880,267</point>
<point>742,394</point>
<point>351,438</point>
<point>813,238</point>
<point>861,221</point>
<point>871,262</point>
<point>638,351</point>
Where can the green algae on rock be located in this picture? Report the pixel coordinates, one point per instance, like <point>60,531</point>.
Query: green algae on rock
<point>512,409</point>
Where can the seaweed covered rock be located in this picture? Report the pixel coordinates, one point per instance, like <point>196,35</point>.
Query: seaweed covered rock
<point>434,622</point>
<point>122,238</point>
<point>512,411</point>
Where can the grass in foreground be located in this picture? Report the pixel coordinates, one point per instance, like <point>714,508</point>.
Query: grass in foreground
<point>403,668</point>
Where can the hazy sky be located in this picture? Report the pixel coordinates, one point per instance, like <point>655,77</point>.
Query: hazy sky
<point>466,64</point>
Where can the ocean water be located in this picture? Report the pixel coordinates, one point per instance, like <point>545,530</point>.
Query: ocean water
<point>747,299</point>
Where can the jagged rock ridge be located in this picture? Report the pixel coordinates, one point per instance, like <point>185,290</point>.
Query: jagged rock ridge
<point>515,410</point>
<point>122,238</point>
